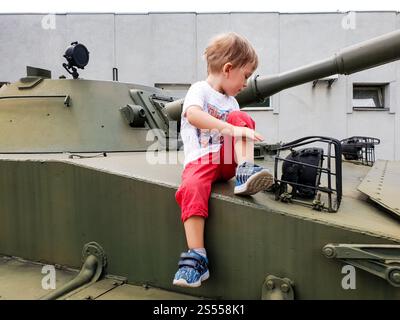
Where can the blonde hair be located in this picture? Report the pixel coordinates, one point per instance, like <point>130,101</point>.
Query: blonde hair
<point>229,47</point>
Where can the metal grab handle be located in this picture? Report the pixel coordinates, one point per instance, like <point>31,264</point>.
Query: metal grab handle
<point>67,98</point>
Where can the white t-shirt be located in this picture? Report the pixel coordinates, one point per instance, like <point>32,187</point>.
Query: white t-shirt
<point>196,142</point>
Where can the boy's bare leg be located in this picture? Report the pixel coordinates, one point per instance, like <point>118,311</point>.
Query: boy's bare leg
<point>193,274</point>
<point>244,150</point>
<point>194,229</point>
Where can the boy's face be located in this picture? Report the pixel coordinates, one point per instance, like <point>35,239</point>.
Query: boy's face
<point>235,79</point>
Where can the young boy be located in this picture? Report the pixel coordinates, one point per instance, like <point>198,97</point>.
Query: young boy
<point>216,137</point>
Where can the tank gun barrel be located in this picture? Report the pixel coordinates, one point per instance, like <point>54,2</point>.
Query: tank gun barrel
<point>355,58</point>
<point>358,57</point>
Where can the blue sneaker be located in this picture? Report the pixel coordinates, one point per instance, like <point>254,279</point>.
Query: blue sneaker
<point>193,269</point>
<point>251,178</point>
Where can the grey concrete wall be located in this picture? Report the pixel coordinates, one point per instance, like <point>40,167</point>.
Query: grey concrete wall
<point>24,42</point>
<point>168,47</point>
<point>375,123</point>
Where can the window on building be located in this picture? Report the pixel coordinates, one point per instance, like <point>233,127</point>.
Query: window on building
<point>368,96</point>
<point>263,105</point>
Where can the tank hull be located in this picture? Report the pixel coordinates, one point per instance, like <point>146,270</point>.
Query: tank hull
<point>52,207</point>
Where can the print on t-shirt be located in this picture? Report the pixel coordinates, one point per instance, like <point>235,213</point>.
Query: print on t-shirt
<point>208,137</point>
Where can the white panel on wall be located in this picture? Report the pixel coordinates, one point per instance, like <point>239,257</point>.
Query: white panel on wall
<point>306,38</point>
<point>173,47</point>
<point>369,25</point>
<point>349,95</point>
<point>377,124</point>
<point>31,39</point>
<point>380,124</point>
<point>306,110</point>
<point>132,46</point>
<point>208,26</point>
<point>262,30</point>
<point>96,32</point>
<point>392,96</point>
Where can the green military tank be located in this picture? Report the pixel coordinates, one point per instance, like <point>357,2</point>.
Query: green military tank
<point>88,174</point>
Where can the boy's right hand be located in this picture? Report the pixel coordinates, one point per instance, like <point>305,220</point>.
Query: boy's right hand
<point>245,132</point>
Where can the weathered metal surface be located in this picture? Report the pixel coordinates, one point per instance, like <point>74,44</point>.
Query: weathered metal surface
<point>94,261</point>
<point>144,292</point>
<point>382,185</point>
<point>275,288</point>
<point>80,127</point>
<point>22,280</point>
<point>138,224</point>
<point>95,290</point>
<point>136,166</point>
<point>380,260</point>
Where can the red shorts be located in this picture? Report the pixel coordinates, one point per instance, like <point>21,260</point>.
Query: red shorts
<point>199,175</point>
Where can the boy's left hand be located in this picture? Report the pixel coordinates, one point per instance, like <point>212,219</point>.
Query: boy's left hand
<point>258,136</point>
<point>248,133</point>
